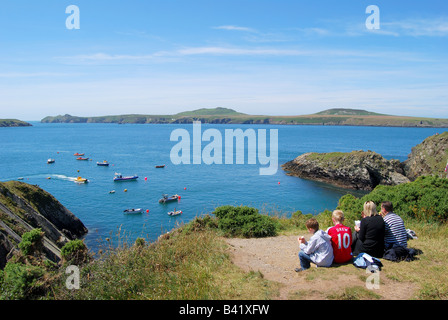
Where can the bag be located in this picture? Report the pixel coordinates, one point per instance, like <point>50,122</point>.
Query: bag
<point>365,261</point>
<point>399,253</point>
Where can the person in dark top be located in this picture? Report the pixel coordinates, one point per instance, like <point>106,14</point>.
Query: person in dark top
<point>369,237</point>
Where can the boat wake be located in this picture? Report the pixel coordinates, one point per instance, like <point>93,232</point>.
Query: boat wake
<point>62,177</point>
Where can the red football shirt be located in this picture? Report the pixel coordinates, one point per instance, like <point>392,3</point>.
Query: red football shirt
<point>341,240</point>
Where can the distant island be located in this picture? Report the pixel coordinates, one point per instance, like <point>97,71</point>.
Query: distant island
<point>13,123</point>
<point>330,117</point>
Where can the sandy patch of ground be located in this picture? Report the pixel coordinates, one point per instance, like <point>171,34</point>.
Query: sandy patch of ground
<point>276,258</point>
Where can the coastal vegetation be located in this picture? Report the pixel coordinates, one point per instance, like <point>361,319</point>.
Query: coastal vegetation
<point>40,240</point>
<point>338,116</point>
<point>192,262</point>
<point>13,123</point>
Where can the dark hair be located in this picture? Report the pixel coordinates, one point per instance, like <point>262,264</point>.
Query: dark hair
<point>387,205</point>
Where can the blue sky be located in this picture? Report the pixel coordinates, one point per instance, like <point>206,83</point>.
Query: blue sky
<point>259,57</point>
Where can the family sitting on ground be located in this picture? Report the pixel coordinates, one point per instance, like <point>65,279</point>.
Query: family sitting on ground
<point>376,234</point>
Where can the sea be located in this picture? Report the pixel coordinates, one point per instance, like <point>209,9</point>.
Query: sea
<point>136,149</point>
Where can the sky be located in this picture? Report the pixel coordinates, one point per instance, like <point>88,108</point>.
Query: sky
<point>282,57</point>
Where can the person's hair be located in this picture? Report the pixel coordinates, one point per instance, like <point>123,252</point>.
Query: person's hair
<point>387,205</point>
<point>338,215</point>
<point>370,209</point>
<point>312,224</point>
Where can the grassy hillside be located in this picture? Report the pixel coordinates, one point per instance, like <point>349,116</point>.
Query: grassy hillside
<point>13,123</point>
<point>343,117</point>
<point>348,112</point>
<point>210,112</point>
<point>193,261</point>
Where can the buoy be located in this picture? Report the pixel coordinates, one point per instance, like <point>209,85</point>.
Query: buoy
<point>179,198</point>
<point>185,188</point>
<point>147,210</point>
<point>125,190</point>
<point>77,170</point>
<point>146,178</point>
<point>279,182</point>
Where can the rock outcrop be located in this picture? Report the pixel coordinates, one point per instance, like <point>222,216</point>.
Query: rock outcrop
<point>428,158</point>
<point>24,207</point>
<point>361,170</point>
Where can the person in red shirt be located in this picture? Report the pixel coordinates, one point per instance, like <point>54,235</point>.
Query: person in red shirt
<point>341,238</point>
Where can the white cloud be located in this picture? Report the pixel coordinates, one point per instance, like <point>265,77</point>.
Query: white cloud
<point>409,28</point>
<point>240,51</point>
<point>34,74</point>
<point>235,28</point>
<point>419,27</point>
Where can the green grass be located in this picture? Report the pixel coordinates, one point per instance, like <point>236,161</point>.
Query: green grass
<point>182,265</point>
<point>192,262</point>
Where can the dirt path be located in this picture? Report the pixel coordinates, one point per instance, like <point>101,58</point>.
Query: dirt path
<point>277,257</point>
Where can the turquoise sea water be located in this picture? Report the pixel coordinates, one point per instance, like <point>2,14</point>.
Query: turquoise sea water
<point>137,149</point>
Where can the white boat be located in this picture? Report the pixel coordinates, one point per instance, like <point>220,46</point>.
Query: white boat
<point>175,213</point>
<point>103,164</point>
<point>50,161</point>
<point>132,211</point>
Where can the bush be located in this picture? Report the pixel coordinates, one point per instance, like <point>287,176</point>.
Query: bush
<point>140,242</point>
<point>31,241</point>
<point>425,199</point>
<point>244,221</point>
<point>203,223</point>
<point>20,281</point>
<point>75,252</point>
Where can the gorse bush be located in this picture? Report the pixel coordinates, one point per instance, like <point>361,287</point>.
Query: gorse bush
<point>75,252</point>
<point>425,199</point>
<point>244,221</point>
<point>31,241</point>
<point>20,281</point>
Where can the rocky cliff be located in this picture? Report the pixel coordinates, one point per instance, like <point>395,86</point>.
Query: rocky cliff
<point>428,158</point>
<point>365,170</point>
<point>361,170</point>
<point>24,207</point>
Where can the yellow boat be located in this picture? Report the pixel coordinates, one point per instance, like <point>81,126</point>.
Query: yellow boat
<point>81,180</point>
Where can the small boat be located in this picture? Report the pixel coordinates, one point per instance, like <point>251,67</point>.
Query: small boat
<point>161,166</point>
<point>20,178</point>
<point>112,191</point>
<point>78,154</point>
<point>104,163</point>
<point>132,211</point>
<point>50,161</point>
<point>119,177</point>
<point>166,199</point>
<point>81,180</point>
<point>175,213</point>
<point>81,158</point>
